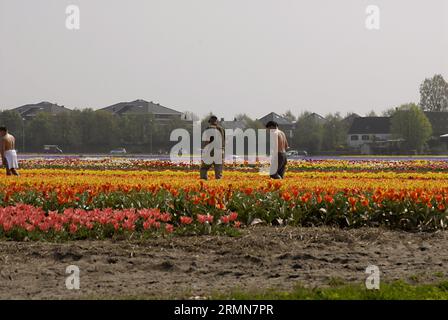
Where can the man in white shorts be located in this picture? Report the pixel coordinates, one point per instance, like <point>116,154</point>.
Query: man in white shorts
<point>9,154</point>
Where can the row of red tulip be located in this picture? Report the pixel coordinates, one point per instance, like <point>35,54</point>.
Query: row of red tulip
<point>31,219</point>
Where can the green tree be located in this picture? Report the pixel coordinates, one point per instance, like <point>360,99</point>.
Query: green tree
<point>162,133</point>
<point>66,131</point>
<point>98,130</point>
<point>411,124</point>
<point>85,122</point>
<point>15,124</point>
<point>12,120</point>
<point>389,112</point>
<point>288,115</point>
<point>40,131</point>
<point>434,94</point>
<point>308,133</point>
<point>105,132</point>
<point>335,132</point>
<point>250,123</point>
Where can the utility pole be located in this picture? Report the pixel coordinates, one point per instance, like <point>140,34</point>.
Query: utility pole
<point>23,135</point>
<point>151,128</point>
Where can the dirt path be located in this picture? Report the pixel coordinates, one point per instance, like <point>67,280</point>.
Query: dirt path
<point>183,267</point>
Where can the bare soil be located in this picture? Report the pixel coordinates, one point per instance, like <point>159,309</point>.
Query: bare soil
<point>199,266</point>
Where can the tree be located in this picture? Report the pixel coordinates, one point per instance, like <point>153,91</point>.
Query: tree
<point>411,124</point>
<point>250,123</point>
<point>12,120</point>
<point>15,124</point>
<point>434,94</point>
<point>105,131</point>
<point>85,122</point>
<point>389,112</point>
<point>162,131</point>
<point>288,115</point>
<point>372,113</point>
<point>335,132</point>
<point>66,131</point>
<point>40,131</point>
<point>93,131</point>
<point>98,130</point>
<point>308,134</point>
<point>204,121</point>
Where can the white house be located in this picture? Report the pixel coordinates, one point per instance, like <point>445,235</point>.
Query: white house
<point>366,130</point>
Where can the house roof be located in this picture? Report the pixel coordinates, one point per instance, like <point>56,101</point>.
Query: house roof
<point>31,110</point>
<point>140,106</point>
<point>275,117</point>
<point>351,116</point>
<point>439,122</point>
<point>370,125</point>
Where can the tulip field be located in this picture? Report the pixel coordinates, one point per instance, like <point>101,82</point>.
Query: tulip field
<point>152,229</point>
<point>98,199</point>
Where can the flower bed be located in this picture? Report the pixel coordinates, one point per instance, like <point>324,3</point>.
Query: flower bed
<point>401,199</point>
<point>293,165</point>
<point>24,221</point>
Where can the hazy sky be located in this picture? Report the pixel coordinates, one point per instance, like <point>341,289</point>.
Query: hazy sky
<point>224,56</point>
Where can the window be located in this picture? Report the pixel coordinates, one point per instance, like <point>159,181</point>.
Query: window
<point>365,137</point>
<point>354,138</point>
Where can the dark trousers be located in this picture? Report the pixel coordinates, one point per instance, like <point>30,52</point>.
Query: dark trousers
<point>206,167</point>
<point>5,163</point>
<point>281,166</point>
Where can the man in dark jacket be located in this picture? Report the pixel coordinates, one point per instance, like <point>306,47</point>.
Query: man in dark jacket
<point>213,130</point>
